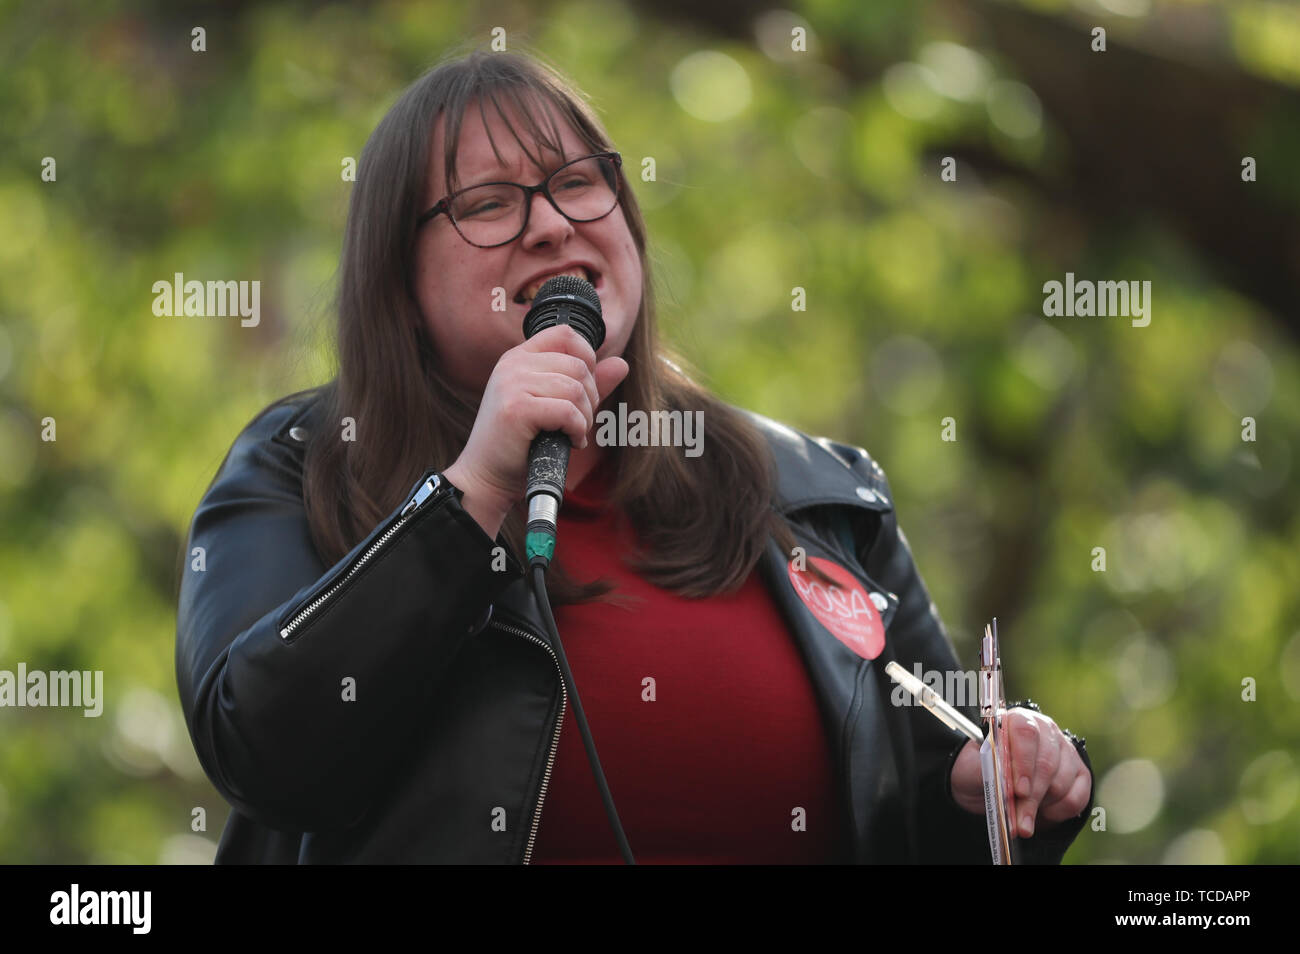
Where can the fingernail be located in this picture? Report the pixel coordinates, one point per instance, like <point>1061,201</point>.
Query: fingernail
<point>1027,825</point>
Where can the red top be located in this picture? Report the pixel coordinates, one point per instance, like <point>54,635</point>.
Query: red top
<point>712,770</point>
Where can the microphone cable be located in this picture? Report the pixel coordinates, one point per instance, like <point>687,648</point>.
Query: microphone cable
<point>538,565</point>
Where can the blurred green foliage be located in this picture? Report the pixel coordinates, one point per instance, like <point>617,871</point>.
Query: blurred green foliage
<point>774,171</point>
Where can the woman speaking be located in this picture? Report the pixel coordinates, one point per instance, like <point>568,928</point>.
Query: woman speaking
<point>366,668</point>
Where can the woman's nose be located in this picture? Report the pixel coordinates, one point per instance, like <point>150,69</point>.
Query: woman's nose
<point>545,223</point>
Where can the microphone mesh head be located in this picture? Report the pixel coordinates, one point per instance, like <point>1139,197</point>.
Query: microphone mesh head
<point>567,300</point>
<point>570,285</point>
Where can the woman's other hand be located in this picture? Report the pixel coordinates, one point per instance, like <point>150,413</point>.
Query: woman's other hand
<point>1051,782</point>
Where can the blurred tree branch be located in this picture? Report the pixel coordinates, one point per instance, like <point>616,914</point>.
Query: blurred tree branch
<point>1147,134</point>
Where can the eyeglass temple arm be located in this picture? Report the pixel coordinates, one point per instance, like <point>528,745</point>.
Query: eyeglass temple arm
<point>440,207</point>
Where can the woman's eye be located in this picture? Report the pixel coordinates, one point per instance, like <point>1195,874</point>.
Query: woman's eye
<point>488,206</point>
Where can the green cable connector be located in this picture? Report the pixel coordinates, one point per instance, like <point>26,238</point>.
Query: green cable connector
<point>539,543</point>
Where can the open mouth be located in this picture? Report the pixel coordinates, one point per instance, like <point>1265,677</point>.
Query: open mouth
<point>527,294</point>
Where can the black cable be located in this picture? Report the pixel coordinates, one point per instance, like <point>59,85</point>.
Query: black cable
<point>539,590</point>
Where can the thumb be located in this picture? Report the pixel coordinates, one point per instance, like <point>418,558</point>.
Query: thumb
<point>609,374</point>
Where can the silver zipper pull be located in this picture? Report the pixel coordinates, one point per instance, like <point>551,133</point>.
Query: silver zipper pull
<point>424,493</point>
<point>421,495</point>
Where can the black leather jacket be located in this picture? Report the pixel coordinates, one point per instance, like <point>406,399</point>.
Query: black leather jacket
<point>458,698</point>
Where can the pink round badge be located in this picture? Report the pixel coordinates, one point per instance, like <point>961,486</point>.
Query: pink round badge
<point>843,607</point>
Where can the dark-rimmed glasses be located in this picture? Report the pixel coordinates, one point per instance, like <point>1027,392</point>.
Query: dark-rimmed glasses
<point>496,213</point>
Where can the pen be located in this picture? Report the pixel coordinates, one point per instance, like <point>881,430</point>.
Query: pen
<point>934,702</point>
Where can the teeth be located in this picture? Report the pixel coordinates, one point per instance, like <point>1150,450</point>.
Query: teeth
<point>531,291</point>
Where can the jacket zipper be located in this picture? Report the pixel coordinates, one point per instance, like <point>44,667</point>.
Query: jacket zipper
<point>420,497</point>
<point>555,737</point>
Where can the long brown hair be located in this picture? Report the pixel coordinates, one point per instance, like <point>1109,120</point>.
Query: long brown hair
<point>702,522</point>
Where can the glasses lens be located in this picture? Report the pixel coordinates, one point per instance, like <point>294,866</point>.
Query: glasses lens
<point>586,189</point>
<point>489,214</point>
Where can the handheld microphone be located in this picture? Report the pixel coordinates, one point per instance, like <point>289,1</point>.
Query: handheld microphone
<point>563,300</point>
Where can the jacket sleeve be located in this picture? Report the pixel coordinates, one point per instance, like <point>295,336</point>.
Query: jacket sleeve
<point>947,833</point>
<point>279,729</point>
